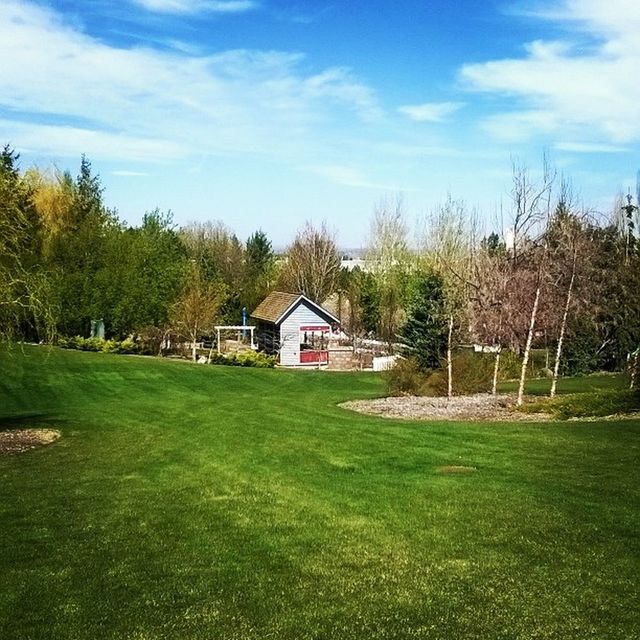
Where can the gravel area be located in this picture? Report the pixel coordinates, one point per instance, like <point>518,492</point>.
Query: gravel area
<point>482,406</point>
<point>20,440</point>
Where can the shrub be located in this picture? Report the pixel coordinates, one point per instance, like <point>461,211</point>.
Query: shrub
<point>406,379</point>
<point>245,359</point>
<point>99,344</point>
<point>510,365</point>
<point>472,373</point>
<point>581,405</point>
<point>89,344</point>
<point>128,345</point>
<point>256,359</point>
<point>150,340</point>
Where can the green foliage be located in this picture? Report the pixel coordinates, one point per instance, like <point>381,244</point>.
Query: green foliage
<point>255,359</point>
<point>259,272</point>
<point>406,378</point>
<point>424,334</point>
<point>220,258</point>
<point>25,292</point>
<point>128,345</point>
<point>608,326</point>
<point>581,352</point>
<point>593,404</point>
<point>472,373</point>
<point>510,364</point>
<point>494,245</point>
<point>142,275</point>
<point>369,301</point>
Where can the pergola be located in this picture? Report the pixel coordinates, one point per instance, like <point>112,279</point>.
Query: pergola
<point>236,327</point>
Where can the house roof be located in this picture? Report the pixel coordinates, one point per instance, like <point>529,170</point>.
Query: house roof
<point>277,304</point>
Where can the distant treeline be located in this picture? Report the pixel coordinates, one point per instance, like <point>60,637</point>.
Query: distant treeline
<point>67,259</point>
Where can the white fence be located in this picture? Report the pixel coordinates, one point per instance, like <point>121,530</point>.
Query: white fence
<point>384,363</point>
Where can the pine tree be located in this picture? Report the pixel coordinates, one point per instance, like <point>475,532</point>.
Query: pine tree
<point>424,334</point>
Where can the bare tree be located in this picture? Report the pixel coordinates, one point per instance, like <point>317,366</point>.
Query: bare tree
<point>489,301</point>
<point>531,201</point>
<point>569,250</point>
<point>313,263</point>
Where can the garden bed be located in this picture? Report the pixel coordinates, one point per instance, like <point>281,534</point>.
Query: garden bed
<point>21,440</point>
<point>481,406</point>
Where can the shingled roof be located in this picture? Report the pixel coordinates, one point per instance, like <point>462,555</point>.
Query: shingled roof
<point>277,303</point>
<point>274,306</point>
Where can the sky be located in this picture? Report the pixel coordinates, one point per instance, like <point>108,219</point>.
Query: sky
<point>267,113</point>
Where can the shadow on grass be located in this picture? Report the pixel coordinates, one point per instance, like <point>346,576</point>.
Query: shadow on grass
<point>16,420</point>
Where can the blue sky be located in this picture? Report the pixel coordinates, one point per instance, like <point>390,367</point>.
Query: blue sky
<point>267,113</point>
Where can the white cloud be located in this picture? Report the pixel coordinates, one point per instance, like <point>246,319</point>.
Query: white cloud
<point>74,141</point>
<point>566,88</point>
<point>143,103</point>
<point>197,6</point>
<point>430,111</point>
<point>352,177</point>
<point>586,147</point>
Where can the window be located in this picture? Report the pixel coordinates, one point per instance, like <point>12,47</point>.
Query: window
<point>314,338</point>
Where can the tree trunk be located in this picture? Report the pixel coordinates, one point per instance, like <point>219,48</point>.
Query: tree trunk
<point>527,349</point>
<point>496,367</point>
<point>194,350</point>
<point>634,368</point>
<point>449,361</point>
<point>563,327</point>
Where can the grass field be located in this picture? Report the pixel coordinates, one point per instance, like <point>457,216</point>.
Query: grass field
<point>186,502</point>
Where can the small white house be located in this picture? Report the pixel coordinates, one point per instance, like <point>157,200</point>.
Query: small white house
<point>294,327</point>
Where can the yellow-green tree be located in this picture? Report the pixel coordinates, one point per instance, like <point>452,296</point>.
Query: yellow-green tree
<point>198,306</point>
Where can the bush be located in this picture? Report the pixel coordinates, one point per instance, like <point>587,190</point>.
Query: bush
<point>510,365</point>
<point>245,359</point>
<point>472,373</point>
<point>406,379</point>
<point>581,405</point>
<point>89,344</point>
<point>128,345</point>
<point>150,340</point>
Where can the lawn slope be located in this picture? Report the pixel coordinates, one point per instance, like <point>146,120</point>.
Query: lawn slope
<point>185,501</point>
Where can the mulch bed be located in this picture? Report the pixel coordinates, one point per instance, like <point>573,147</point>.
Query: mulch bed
<point>21,440</point>
<point>481,406</point>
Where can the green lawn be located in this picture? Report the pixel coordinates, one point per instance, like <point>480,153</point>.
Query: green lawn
<point>185,501</point>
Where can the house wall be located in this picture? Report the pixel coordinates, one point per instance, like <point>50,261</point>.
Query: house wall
<point>290,332</point>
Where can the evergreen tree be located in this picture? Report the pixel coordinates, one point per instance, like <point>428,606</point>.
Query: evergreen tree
<point>424,334</point>
<point>259,272</point>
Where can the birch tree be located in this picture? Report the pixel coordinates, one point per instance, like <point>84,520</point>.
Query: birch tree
<point>531,202</point>
<point>569,251</point>
<point>449,246</point>
<point>489,300</point>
